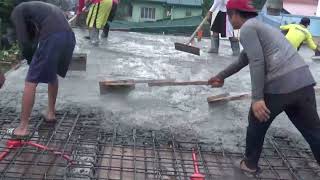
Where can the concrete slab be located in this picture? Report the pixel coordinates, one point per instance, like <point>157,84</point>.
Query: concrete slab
<point>182,109</point>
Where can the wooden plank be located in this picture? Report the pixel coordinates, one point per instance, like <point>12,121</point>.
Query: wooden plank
<point>214,99</point>
<point>107,87</point>
<point>178,83</point>
<point>78,62</point>
<point>120,85</point>
<point>240,96</point>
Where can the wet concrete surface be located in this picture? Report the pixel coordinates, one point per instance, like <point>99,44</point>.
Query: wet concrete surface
<point>183,110</point>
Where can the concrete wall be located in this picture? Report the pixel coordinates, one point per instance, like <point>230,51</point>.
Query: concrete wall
<point>136,11</point>
<point>180,12</point>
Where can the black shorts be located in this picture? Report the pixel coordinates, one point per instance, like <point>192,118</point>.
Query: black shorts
<point>52,57</point>
<point>220,23</point>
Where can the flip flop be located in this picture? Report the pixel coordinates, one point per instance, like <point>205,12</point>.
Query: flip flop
<point>10,132</point>
<point>46,120</point>
<point>246,169</point>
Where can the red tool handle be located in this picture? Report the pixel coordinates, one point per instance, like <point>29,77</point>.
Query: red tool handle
<point>195,162</point>
<point>64,156</point>
<point>4,154</point>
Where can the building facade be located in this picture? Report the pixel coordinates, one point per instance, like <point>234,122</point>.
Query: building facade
<point>154,10</point>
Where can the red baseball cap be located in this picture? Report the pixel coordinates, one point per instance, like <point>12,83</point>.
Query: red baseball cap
<point>241,5</point>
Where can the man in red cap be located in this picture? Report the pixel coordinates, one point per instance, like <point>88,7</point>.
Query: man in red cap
<point>280,80</point>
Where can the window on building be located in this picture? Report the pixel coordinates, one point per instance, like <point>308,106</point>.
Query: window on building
<point>188,12</point>
<point>148,13</point>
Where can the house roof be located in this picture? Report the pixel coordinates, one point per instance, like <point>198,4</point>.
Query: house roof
<point>301,7</point>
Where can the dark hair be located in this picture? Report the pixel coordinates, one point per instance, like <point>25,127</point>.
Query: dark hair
<point>305,21</point>
<point>243,14</point>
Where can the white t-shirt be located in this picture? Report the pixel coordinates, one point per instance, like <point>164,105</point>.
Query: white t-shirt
<point>219,5</point>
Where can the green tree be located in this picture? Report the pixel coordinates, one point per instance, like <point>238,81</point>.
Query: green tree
<point>6,7</point>
<point>206,6</point>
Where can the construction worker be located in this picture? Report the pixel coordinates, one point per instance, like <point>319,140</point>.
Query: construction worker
<point>280,80</point>
<point>298,33</point>
<point>47,42</point>
<point>113,11</point>
<point>97,18</point>
<point>221,25</point>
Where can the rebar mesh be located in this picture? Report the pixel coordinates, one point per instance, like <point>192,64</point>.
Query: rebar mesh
<point>137,154</point>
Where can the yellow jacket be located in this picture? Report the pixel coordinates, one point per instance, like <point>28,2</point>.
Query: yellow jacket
<point>297,34</point>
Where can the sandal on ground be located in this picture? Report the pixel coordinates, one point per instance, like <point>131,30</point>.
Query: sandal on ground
<point>246,169</point>
<point>10,132</point>
<point>46,119</point>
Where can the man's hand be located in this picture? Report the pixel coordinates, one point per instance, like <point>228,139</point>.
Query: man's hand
<point>261,111</point>
<point>216,82</point>
<point>2,79</point>
<point>317,51</point>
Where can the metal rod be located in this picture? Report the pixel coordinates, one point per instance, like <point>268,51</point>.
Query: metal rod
<point>145,162</point>
<point>17,154</point>
<point>111,151</point>
<point>203,163</point>
<point>284,160</point>
<point>174,159</point>
<point>134,153</point>
<point>156,164</point>
<point>182,163</point>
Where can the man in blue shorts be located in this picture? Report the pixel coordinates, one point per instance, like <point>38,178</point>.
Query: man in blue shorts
<point>47,42</point>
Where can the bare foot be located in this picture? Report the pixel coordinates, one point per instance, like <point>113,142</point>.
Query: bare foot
<point>245,168</point>
<point>20,131</point>
<point>49,116</point>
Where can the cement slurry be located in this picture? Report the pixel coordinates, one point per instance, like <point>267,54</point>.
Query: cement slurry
<point>184,110</point>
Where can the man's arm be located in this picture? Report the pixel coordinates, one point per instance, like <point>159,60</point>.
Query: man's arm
<point>215,5</point>
<point>310,41</point>
<point>285,27</point>
<point>24,41</point>
<point>252,46</point>
<point>234,67</point>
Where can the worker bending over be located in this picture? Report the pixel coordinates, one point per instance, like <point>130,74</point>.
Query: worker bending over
<point>221,25</point>
<point>298,33</point>
<point>280,80</point>
<point>97,17</point>
<point>47,42</point>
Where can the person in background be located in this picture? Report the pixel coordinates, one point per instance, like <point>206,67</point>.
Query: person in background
<point>221,25</point>
<point>113,12</point>
<point>299,33</point>
<point>280,82</point>
<point>97,17</point>
<point>47,41</point>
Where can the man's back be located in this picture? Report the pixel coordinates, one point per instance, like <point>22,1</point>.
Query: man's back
<point>270,52</point>
<point>297,34</point>
<point>46,19</point>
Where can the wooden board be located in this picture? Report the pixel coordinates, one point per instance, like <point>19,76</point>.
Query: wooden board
<point>124,85</point>
<point>240,96</point>
<point>177,83</point>
<point>315,57</point>
<point>78,62</point>
<point>214,99</point>
<point>106,87</point>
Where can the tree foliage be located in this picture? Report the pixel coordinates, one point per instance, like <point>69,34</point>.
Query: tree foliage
<point>6,7</point>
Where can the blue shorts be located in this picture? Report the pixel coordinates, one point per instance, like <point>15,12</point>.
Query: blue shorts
<point>52,57</point>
